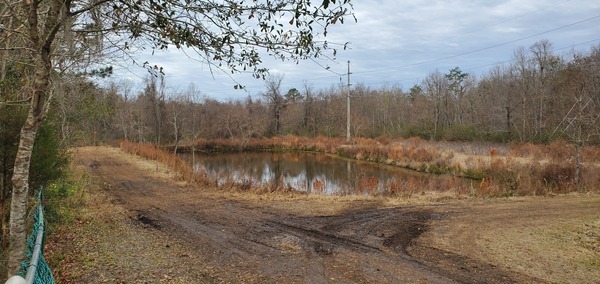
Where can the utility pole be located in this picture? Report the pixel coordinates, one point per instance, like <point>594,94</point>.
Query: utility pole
<point>348,106</point>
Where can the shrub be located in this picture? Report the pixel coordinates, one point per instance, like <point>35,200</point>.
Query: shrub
<point>558,150</point>
<point>504,179</point>
<point>459,132</point>
<point>591,154</point>
<point>183,169</point>
<point>497,137</point>
<point>63,198</point>
<point>420,131</point>
<point>559,177</point>
<point>420,155</point>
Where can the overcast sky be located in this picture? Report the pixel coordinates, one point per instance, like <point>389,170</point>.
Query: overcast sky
<point>397,43</point>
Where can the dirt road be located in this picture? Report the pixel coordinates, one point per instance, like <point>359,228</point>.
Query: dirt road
<point>238,237</point>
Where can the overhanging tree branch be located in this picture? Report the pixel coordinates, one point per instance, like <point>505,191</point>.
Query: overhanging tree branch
<point>225,34</point>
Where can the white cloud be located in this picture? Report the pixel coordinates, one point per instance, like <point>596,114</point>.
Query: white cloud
<point>398,41</point>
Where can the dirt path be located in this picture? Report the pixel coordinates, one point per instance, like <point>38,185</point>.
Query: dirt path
<point>206,236</point>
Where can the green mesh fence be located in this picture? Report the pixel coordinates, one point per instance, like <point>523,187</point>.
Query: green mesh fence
<point>37,269</point>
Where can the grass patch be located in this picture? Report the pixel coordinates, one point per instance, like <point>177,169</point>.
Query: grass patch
<point>65,201</point>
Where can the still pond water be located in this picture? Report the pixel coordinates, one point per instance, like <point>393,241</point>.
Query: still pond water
<point>314,173</point>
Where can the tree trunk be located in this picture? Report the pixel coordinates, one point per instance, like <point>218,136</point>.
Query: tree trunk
<point>175,126</point>
<point>7,43</point>
<point>436,120</point>
<point>508,111</point>
<point>578,146</point>
<point>20,179</point>
<point>3,204</point>
<point>4,210</point>
<point>18,209</point>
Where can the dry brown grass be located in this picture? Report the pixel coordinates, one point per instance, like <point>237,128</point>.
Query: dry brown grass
<point>496,169</point>
<point>181,168</point>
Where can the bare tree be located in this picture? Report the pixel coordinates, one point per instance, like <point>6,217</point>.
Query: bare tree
<point>499,90</point>
<point>309,119</point>
<point>580,82</point>
<point>176,106</point>
<point>545,63</point>
<point>524,86</point>
<point>435,86</point>
<point>124,113</point>
<point>276,102</point>
<point>191,98</point>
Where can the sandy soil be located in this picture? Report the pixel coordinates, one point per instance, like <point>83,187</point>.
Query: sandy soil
<point>144,226</point>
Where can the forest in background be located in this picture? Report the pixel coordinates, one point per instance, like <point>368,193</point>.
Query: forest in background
<point>538,97</point>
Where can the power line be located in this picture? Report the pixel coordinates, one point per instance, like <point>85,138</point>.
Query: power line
<point>483,66</point>
<point>480,49</point>
<point>502,22</point>
<point>438,59</point>
<point>519,16</point>
<point>393,82</point>
<point>464,53</point>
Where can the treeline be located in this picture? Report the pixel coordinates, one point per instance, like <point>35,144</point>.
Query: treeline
<point>538,97</point>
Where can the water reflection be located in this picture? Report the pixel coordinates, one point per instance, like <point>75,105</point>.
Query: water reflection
<point>311,172</point>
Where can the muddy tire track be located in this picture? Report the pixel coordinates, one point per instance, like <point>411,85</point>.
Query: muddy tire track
<point>386,235</point>
<point>321,238</point>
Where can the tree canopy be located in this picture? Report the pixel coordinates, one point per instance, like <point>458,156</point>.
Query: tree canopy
<point>229,34</point>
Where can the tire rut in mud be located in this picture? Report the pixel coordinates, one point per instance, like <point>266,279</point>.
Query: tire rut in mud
<point>321,237</point>
<point>388,233</point>
<point>371,230</point>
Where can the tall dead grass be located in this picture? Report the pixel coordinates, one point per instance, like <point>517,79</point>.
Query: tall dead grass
<point>181,168</point>
<point>495,169</point>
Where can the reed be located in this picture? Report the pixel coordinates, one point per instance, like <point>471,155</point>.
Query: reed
<point>495,169</point>
<point>181,168</point>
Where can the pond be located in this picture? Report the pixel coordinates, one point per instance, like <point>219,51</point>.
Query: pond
<point>318,173</point>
